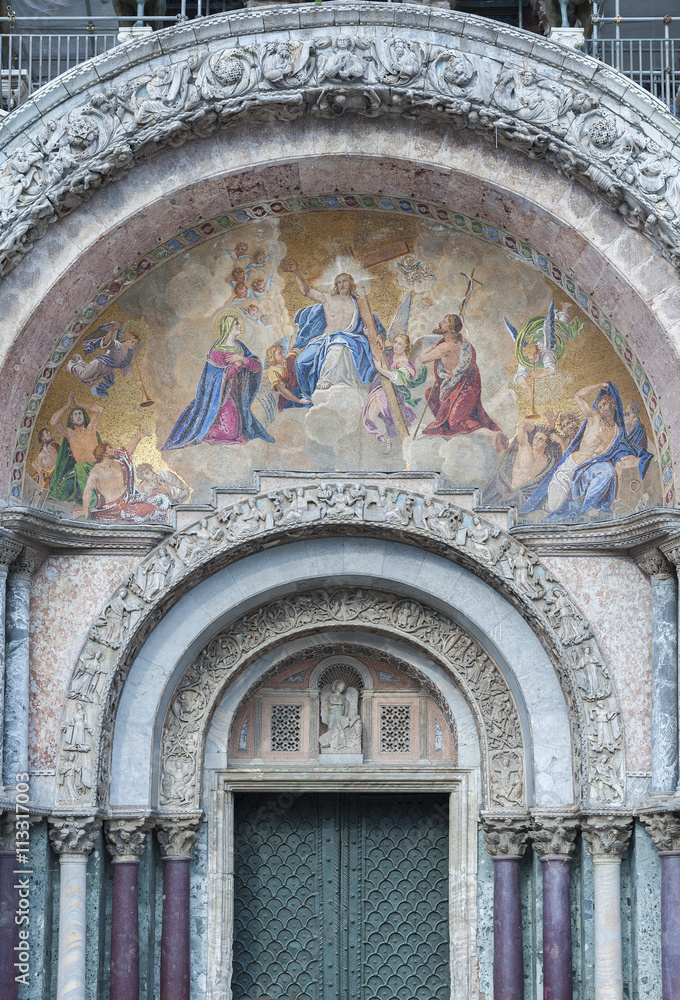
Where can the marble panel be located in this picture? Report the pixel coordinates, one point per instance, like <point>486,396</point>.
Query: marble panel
<point>616,598</point>
<point>67,593</point>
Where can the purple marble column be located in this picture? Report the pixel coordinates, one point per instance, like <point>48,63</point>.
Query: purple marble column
<point>9,931</point>
<point>125,930</point>
<point>557,974</point>
<point>670,924</point>
<point>508,956</point>
<point>125,839</point>
<point>176,838</point>
<point>175,939</point>
<point>506,837</point>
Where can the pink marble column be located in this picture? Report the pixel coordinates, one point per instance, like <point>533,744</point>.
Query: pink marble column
<point>125,842</point>
<point>9,931</point>
<point>176,838</point>
<point>553,840</point>
<point>664,829</point>
<point>506,837</point>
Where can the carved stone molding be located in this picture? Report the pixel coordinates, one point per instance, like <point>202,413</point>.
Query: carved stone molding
<point>73,834</point>
<point>477,675</point>
<point>655,564</point>
<point>126,838</point>
<point>432,522</point>
<point>664,829</point>
<point>607,835</point>
<point>547,104</point>
<point>554,835</point>
<point>506,834</point>
<point>178,835</point>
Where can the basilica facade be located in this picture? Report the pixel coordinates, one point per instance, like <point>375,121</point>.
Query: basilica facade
<point>338,541</point>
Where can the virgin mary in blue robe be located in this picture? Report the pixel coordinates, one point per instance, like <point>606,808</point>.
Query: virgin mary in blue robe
<point>314,341</point>
<point>593,483</point>
<point>220,412</point>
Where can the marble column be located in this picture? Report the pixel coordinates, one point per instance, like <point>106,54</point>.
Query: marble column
<point>553,840</point>
<point>664,829</point>
<point>664,669</point>
<point>607,837</point>
<point>125,839</point>
<point>9,900</point>
<point>9,550</point>
<point>17,620</point>
<point>506,837</point>
<point>72,838</point>
<point>176,838</point>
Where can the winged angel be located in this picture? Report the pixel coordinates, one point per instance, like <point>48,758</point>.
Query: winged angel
<point>340,713</point>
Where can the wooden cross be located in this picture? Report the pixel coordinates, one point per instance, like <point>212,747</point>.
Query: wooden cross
<point>366,313</point>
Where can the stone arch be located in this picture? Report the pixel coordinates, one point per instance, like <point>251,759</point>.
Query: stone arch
<point>165,578</point>
<point>414,624</point>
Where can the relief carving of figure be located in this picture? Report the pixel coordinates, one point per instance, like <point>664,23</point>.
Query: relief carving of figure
<point>85,684</point>
<point>74,777</point>
<point>76,730</point>
<point>287,63</point>
<point>197,543</point>
<point>118,619</point>
<point>508,783</point>
<point>340,713</point>
<point>342,63</point>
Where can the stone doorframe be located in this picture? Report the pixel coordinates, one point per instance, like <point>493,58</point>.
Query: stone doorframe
<point>461,787</point>
<point>429,523</point>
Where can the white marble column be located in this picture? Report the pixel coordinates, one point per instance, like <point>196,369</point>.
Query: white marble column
<point>607,838</point>
<point>9,550</point>
<point>72,838</point>
<point>17,622</point>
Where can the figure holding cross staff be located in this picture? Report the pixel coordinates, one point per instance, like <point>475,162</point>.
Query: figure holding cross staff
<point>338,337</point>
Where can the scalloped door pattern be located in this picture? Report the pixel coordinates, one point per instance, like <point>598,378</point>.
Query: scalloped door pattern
<point>341,897</point>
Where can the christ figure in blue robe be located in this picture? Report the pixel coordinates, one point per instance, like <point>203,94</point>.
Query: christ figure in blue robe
<point>331,344</point>
<point>583,483</point>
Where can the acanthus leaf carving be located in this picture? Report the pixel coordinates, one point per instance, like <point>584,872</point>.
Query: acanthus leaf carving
<point>554,836</point>
<point>506,834</point>
<point>126,838</point>
<point>607,835</point>
<point>664,829</point>
<point>177,835</point>
<point>73,834</point>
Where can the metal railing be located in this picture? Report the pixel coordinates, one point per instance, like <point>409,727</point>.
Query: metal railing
<point>30,57</point>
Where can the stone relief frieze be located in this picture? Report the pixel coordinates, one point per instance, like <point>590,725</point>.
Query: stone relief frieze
<point>205,678</point>
<point>430,520</point>
<point>534,108</point>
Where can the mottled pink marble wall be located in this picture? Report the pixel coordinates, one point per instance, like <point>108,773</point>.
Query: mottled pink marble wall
<point>617,598</point>
<point>68,591</point>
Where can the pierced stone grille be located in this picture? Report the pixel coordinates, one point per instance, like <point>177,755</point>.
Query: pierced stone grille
<point>286,728</point>
<point>395,728</point>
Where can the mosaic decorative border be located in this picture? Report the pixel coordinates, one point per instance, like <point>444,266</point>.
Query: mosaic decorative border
<point>428,211</point>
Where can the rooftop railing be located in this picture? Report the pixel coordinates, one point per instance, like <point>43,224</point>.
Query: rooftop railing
<point>31,57</point>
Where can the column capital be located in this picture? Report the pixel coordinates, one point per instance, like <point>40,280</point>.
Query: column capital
<point>664,829</point>
<point>554,836</point>
<point>607,836</point>
<point>126,838</point>
<point>506,834</point>
<point>7,831</point>
<point>9,550</point>
<point>178,834</point>
<point>655,564</point>
<point>27,562</point>
<point>73,835</point>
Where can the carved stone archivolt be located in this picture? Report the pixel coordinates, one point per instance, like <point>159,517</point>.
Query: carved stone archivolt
<point>546,105</point>
<point>480,679</point>
<point>431,522</point>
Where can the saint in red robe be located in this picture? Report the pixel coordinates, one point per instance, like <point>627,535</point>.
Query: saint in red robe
<point>456,399</point>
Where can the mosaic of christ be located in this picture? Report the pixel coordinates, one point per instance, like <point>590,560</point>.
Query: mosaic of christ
<point>343,342</point>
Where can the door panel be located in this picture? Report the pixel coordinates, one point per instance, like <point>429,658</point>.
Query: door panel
<point>341,897</point>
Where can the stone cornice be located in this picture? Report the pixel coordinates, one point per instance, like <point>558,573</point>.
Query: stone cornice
<point>632,535</point>
<point>89,127</point>
<point>23,526</point>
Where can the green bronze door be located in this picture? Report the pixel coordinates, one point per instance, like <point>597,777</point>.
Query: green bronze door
<point>341,897</point>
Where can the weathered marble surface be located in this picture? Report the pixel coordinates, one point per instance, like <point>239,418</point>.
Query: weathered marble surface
<point>616,596</point>
<point>665,685</point>
<point>67,593</point>
<point>15,736</point>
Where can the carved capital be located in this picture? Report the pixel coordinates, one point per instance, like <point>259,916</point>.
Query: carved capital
<point>27,562</point>
<point>554,835</point>
<point>126,838</point>
<point>607,835</point>
<point>7,831</point>
<point>506,835</point>
<point>9,550</point>
<point>73,834</point>
<point>177,836</point>
<point>654,563</point>
<point>664,829</point>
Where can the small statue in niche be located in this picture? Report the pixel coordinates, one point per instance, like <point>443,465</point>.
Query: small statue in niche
<point>340,713</point>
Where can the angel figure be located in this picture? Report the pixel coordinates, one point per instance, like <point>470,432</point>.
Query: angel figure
<point>535,351</point>
<point>340,713</point>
